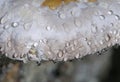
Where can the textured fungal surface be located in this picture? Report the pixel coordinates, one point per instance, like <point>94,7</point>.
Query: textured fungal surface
<point>30,31</point>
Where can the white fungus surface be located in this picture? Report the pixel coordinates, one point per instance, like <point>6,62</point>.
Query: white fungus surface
<point>29,31</point>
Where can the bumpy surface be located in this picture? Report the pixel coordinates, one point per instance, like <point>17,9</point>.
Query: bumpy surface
<point>29,31</point>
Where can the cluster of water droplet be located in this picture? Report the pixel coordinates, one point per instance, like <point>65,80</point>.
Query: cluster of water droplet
<point>70,32</point>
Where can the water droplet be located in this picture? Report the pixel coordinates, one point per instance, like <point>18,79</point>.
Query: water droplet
<point>48,28</point>
<point>43,41</point>
<point>64,51</point>
<point>111,32</point>
<point>117,17</point>
<point>75,42</point>
<point>85,39</point>
<point>109,44</point>
<point>65,59</point>
<point>72,48</point>
<point>14,55</point>
<point>101,42</point>
<point>38,63</point>
<point>116,40</point>
<point>89,43</point>
<point>102,17</point>
<point>27,26</point>
<point>77,56</point>
<point>77,22</point>
<point>94,29</point>
<point>1,49</point>
<point>9,44</point>
<point>62,16</point>
<point>114,32</point>
<point>22,55</point>
<point>3,20</point>
<point>111,24</point>
<point>29,56</point>
<point>101,30</point>
<point>6,54</point>
<point>49,53</point>
<point>15,24</point>
<point>60,54</point>
<point>110,12</point>
<point>67,44</point>
<point>35,44</point>
<point>6,27</point>
<point>107,37</point>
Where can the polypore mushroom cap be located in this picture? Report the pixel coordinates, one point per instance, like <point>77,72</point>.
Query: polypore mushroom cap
<point>30,31</point>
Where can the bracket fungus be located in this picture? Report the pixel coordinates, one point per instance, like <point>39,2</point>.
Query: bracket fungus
<point>35,30</point>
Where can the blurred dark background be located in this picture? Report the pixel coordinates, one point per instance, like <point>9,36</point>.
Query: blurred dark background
<point>102,66</point>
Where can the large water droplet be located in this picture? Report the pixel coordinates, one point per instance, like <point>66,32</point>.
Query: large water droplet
<point>48,28</point>
<point>117,17</point>
<point>15,24</point>
<point>62,16</point>
<point>3,20</point>
<point>35,44</point>
<point>15,55</point>
<point>110,12</point>
<point>60,54</point>
<point>102,17</point>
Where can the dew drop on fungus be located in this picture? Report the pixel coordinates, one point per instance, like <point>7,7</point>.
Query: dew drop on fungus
<point>62,16</point>
<point>77,23</point>
<point>117,17</point>
<point>77,56</point>
<point>107,37</point>
<point>35,44</point>
<point>102,17</point>
<point>110,12</point>
<point>14,55</point>
<point>15,24</point>
<point>6,27</point>
<point>48,28</point>
<point>27,26</point>
<point>60,54</point>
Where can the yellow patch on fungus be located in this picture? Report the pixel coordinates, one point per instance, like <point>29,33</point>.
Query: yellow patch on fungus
<point>92,0</point>
<point>68,1</point>
<point>53,4</point>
